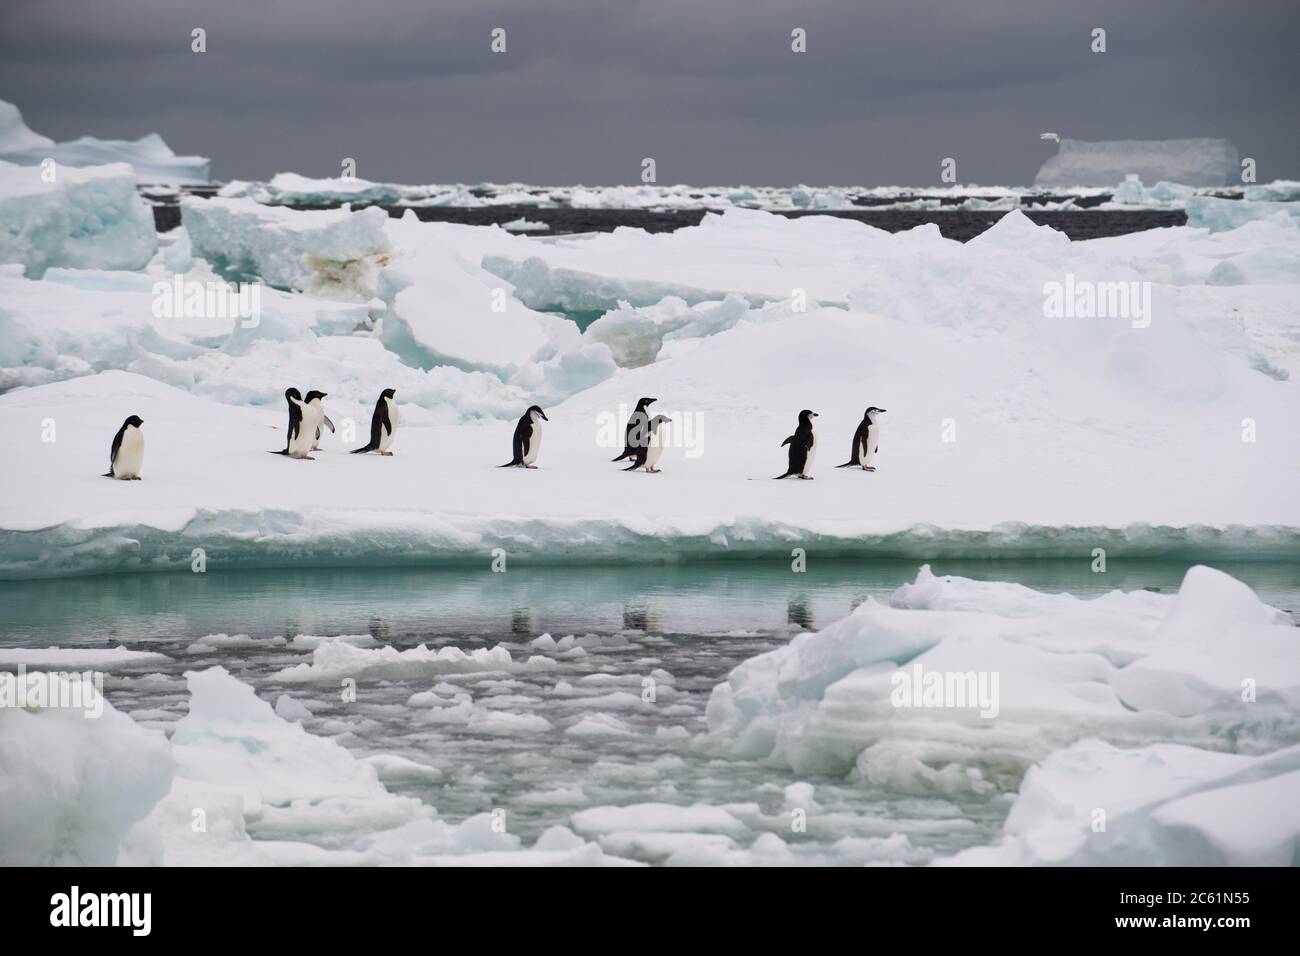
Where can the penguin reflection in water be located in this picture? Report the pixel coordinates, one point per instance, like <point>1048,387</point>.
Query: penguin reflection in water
<point>803,447</point>
<point>866,440</point>
<point>647,456</point>
<point>383,424</point>
<point>126,457</point>
<point>528,439</point>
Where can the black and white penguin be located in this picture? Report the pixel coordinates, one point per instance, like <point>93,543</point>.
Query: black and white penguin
<point>528,438</point>
<point>647,457</point>
<point>866,440</point>
<point>383,423</point>
<point>127,454</point>
<point>803,447</point>
<point>636,435</point>
<point>298,439</point>
<point>317,408</point>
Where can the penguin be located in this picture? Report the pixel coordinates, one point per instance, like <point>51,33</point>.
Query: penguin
<point>866,440</point>
<point>313,400</point>
<point>127,454</point>
<point>528,438</point>
<point>298,440</point>
<point>383,423</point>
<point>648,456</point>
<point>803,447</point>
<point>636,435</point>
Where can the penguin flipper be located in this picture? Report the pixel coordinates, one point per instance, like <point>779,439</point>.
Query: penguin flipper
<point>626,451</point>
<point>329,423</point>
<point>359,451</point>
<point>787,441</point>
<point>108,474</point>
<point>847,464</point>
<point>285,452</point>
<point>635,466</point>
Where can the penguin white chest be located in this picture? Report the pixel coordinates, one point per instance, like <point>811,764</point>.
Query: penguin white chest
<point>869,445</point>
<point>533,446</point>
<point>300,444</point>
<point>812,454</point>
<point>656,447</point>
<point>130,454</point>
<point>386,434</point>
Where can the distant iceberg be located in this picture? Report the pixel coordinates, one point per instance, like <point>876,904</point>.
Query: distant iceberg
<point>150,157</point>
<point>1191,162</point>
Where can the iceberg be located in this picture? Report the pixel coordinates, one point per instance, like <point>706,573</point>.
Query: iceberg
<point>1191,162</point>
<point>151,159</point>
<point>85,219</point>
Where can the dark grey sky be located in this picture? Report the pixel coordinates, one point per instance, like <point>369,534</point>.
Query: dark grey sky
<point>709,88</point>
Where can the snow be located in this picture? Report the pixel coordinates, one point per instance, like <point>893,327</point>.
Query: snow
<point>84,219</point>
<point>1124,667</point>
<point>78,658</point>
<point>1193,162</point>
<point>151,159</point>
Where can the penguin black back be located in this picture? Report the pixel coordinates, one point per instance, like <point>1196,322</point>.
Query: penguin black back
<point>801,443</point>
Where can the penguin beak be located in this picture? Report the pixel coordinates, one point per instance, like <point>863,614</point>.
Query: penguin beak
<point>544,417</point>
<point>815,415</point>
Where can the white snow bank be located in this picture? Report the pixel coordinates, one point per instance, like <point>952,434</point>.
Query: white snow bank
<point>152,160</point>
<point>84,219</point>
<point>1094,804</point>
<point>71,787</point>
<point>1193,162</point>
<point>1125,667</point>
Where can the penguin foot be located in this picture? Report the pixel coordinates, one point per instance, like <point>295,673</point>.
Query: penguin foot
<point>653,471</point>
<point>531,467</point>
<point>386,454</point>
<point>868,467</point>
<point>806,477</point>
<point>135,477</point>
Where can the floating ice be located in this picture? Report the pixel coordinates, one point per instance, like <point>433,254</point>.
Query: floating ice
<point>1126,667</point>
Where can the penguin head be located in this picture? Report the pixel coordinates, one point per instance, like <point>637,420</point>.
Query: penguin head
<point>806,416</point>
<point>134,420</point>
<point>872,412</point>
<point>388,393</point>
<point>642,404</point>
<point>293,395</point>
<point>313,395</point>
<point>535,412</point>
<point>659,420</point>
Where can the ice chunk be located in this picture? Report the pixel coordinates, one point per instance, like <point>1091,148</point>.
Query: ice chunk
<point>1219,215</point>
<point>84,219</point>
<point>334,253</point>
<point>72,787</point>
<point>1192,162</point>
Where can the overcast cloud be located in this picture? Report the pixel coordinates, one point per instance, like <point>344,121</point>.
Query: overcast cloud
<point>709,88</point>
